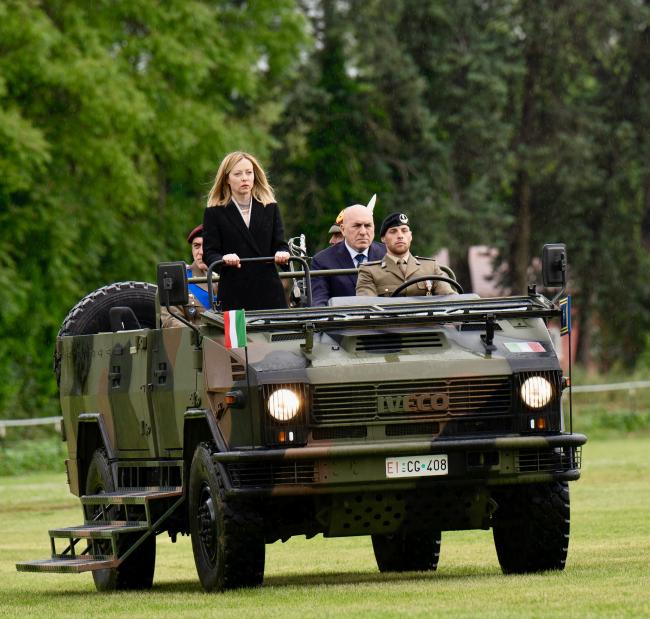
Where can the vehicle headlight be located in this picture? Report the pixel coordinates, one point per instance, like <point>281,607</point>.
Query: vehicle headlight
<point>536,392</point>
<point>283,404</point>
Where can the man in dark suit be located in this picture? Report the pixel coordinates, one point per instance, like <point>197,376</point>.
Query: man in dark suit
<point>357,247</point>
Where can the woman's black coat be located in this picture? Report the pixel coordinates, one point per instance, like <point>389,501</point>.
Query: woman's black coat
<point>254,285</point>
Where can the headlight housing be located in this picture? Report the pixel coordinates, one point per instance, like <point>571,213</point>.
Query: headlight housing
<point>284,404</point>
<point>536,392</point>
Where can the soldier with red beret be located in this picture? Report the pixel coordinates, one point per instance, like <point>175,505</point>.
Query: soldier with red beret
<point>198,293</point>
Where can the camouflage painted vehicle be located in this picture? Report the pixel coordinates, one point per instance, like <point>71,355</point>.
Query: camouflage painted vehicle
<point>396,418</point>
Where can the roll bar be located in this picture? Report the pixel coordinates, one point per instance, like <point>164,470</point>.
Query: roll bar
<point>302,261</point>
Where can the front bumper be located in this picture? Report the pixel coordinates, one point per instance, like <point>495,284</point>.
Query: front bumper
<point>362,467</point>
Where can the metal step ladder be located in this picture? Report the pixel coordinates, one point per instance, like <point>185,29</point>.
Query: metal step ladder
<point>111,518</point>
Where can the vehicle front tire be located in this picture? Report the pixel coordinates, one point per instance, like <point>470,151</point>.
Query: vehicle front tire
<point>227,538</point>
<point>137,571</point>
<point>407,551</point>
<point>531,527</point>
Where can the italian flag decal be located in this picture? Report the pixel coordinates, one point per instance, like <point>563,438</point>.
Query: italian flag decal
<point>234,322</point>
<point>524,347</point>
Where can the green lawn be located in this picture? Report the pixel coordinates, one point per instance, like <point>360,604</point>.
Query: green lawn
<point>607,574</point>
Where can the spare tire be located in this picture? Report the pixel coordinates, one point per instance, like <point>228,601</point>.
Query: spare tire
<point>91,314</point>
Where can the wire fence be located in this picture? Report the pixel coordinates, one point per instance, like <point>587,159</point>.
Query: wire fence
<point>56,421</point>
<point>629,386</point>
<point>36,421</point>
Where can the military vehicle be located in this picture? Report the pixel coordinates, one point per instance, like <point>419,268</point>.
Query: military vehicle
<point>395,417</point>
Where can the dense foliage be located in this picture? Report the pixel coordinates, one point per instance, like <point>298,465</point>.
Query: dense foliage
<point>504,123</point>
<point>509,124</point>
<point>113,119</point>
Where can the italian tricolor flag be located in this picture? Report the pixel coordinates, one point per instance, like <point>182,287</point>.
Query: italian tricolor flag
<point>524,347</point>
<point>235,328</point>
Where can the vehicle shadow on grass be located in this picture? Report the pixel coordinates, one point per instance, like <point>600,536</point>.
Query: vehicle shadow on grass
<point>306,581</point>
<point>300,581</point>
<point>328,579</point>
<point>342,579</point>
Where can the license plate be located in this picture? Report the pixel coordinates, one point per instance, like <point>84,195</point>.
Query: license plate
<point>417,466</point>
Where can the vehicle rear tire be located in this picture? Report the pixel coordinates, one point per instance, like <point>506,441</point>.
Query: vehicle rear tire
<point>227,538</point>
<point>91,314</point>
<point>407,551</point>
<point>531,528</point>
<point>138,569</point>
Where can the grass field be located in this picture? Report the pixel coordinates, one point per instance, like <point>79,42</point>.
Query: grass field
<point>607,574</point>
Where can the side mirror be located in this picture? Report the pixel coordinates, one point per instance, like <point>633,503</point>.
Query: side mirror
<point>172,283</point>
<point>554,263</point>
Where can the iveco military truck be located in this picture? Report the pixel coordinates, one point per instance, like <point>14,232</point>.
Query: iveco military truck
<point>395,418</point>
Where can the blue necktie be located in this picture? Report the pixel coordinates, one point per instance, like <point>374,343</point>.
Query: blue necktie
<point>359,259</point>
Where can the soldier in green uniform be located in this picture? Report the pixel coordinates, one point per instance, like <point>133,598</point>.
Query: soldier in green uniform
<point>381,278</point>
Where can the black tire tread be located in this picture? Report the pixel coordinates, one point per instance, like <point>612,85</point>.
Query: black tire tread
<point>242,538</point>
<point>137,571</point>
<point>532,526</point>
<point>81,320</point>
<point>407,551</point>
<point>90,314</point>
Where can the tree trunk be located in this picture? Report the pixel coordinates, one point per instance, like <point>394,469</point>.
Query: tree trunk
<point>459,262</point>
<point>645,222</point>
<point>520,240</point>
<point>583,314</point>
<point>520,253</point>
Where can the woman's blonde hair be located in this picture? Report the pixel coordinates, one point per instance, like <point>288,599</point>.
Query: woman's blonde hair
<point>220,193</point>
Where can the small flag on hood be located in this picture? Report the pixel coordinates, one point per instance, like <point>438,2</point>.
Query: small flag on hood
<point>524,347</point>
<point>234,323</point>
<point>565,323</point>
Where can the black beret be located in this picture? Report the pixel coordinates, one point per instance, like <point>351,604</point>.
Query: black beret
<point>394,219</point>
<point>198,231</point>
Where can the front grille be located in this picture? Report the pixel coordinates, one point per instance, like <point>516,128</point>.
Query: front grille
<point>363,403</point>
<point>455,427</point>
<point>493,425</point>
<point>328,433</point>
<point>395,342</point>
<point>555,460</point>
<point>285,337</point>
<point>255,474</point>
<point>412,429</point>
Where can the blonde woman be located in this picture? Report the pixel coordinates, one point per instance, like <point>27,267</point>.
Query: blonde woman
<point>242,220</point>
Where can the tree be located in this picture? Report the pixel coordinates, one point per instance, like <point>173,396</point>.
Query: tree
<point>324,132</point>
<point>580,170</point>
<point>115,117</point>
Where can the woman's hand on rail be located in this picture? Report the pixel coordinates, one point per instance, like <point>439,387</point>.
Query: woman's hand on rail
<point>232,260</point>
<point>282,257</point>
